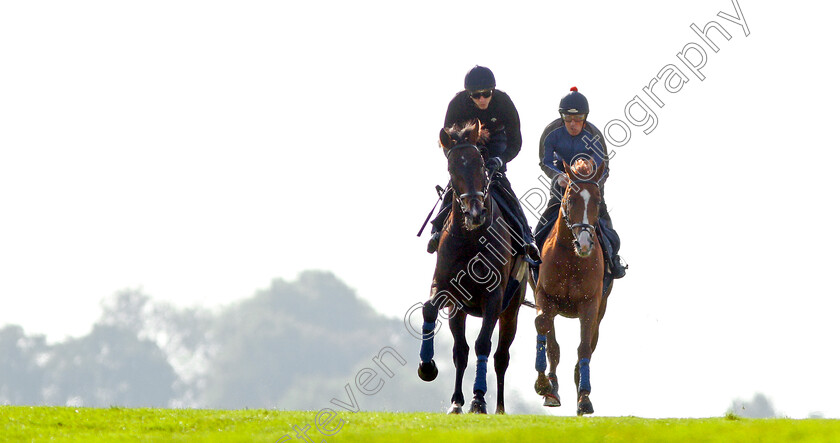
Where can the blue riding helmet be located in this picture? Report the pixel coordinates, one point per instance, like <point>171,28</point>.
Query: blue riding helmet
<point>479,78</point>
<point>574,103</point>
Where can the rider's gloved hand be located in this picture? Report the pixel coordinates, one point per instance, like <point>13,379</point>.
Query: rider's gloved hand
<point>494,163</point>
<point>560,180</point>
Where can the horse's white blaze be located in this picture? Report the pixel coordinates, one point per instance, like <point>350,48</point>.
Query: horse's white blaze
<point>585,194</point>
<point>584,238</point>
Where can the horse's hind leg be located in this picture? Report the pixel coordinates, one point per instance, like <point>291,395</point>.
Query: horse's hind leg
<point>602,310</point>
<point>584,403</point>
<point>460,355</point>
<point>501,359</point>
<point>483,344</point>
<point>595,334</point>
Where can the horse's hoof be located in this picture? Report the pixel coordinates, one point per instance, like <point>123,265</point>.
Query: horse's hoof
<point>584,406</point>
<point>551,400</point>
<point>500,410</point>
<point>478,407</point>
<point>455,409</point>
<point>427,371</point>
<point>542,385</point>
<point>555,386</point>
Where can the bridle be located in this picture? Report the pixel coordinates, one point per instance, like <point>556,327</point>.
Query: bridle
<point>584,226</point>
<point>482,195</point>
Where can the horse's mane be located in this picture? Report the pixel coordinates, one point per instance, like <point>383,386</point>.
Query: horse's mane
<point>460,131</point>
<point>583,167</point>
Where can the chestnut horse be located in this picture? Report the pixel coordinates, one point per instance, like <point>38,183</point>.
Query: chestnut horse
<point>571,283</point>
<point>476,273</point>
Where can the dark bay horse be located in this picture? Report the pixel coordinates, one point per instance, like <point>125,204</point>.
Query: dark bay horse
<point>571,283</point>
<point>476,273</point>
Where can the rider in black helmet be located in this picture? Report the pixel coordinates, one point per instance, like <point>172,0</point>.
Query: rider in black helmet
<point>481,100</point>
<point>568,138</point>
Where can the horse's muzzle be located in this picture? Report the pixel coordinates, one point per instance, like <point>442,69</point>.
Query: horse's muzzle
<point>475,214</point>
<point>584,243</point>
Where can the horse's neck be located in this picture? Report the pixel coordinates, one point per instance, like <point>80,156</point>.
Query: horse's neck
<point>565,238</point>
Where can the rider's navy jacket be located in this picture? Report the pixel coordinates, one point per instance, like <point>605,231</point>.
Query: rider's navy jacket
<point>557,144</point>
<point>500,118</point>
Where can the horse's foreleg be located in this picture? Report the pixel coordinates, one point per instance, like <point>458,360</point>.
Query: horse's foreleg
<point>547,343</point>
<point>460,355</point>
<point>427,371</point>
<point>588,332</point>
<point>490,317</point>
<point>501,359</point>
<point>553,351</point>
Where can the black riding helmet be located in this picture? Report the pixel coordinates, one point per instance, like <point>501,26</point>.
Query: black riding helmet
<point>574,103</point>
<point>479,78</point>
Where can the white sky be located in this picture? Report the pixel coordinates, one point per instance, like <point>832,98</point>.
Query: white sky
<point>200,149</point>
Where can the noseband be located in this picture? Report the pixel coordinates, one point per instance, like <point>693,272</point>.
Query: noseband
<point>479,194</point>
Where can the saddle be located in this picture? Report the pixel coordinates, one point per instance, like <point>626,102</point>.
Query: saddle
<point>507,212</point>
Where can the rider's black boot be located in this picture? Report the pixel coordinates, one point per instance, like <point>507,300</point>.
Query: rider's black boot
<point>433,243</point>
<point>533,252</point>
<point>618,267</point>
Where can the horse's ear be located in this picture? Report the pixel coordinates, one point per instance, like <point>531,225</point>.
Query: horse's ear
<point>600,171</point>
<point>567,169</point>
<point>444,139</point>
<point>475,134</point>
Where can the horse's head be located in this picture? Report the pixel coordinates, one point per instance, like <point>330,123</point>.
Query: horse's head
<point>581,203</point>
<point>466,170</point>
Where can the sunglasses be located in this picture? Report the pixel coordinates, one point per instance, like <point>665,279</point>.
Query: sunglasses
<point>481,94</point>
<point>575,118</point>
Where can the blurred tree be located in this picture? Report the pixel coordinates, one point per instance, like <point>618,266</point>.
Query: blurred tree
<point>127,309</point>
<point>759,407</point>
<point>108,367</point>
<point>21,361</point>
<point>315,326</point>
<point>295,345</point>
<point>184,336</point>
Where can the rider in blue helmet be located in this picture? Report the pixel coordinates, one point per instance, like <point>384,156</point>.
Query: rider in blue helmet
<point>495,110</point>
<point>568,138</point>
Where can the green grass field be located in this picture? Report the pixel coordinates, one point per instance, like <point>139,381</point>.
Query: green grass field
<point>20,423</point>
